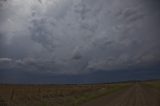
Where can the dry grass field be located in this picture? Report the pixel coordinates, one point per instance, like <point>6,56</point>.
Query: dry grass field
<point>69,95</point>
<point>54,95</point>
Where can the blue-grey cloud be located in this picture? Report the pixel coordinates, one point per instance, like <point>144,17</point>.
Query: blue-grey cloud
<point>79,36</point>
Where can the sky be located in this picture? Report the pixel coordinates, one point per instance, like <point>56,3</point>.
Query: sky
<point>79,41</point>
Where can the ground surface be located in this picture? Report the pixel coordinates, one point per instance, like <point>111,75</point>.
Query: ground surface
<point>55,95</point>
<point>115,94</point>
<point>137,95</point>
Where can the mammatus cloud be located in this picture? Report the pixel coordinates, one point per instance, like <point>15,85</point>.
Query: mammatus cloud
<point>78,36</point>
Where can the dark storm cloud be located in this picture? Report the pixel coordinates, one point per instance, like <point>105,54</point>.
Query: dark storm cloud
<point>1,43</point>
<point>41,34</point>
<point>79,36</point>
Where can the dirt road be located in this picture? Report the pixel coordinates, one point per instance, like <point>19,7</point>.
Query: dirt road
<point>137,95</point>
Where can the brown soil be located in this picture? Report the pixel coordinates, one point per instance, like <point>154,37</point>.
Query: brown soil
<point>137,95</point>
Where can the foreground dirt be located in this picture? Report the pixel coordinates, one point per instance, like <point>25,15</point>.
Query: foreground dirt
<point>137,95</point>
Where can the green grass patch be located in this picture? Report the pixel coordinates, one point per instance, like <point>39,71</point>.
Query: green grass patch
<point>99,93</point>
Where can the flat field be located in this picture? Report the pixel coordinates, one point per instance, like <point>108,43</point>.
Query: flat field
<point>116,94</point>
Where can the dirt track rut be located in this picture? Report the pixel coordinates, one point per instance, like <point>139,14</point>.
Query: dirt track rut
<point>136,95</point>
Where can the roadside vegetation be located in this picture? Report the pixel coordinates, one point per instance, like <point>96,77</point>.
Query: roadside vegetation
<point>153,84</point>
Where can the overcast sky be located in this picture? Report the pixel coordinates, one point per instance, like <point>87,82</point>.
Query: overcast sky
<point>73,37</point>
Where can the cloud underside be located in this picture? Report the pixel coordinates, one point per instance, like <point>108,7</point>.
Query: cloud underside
<point>78,36</point>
